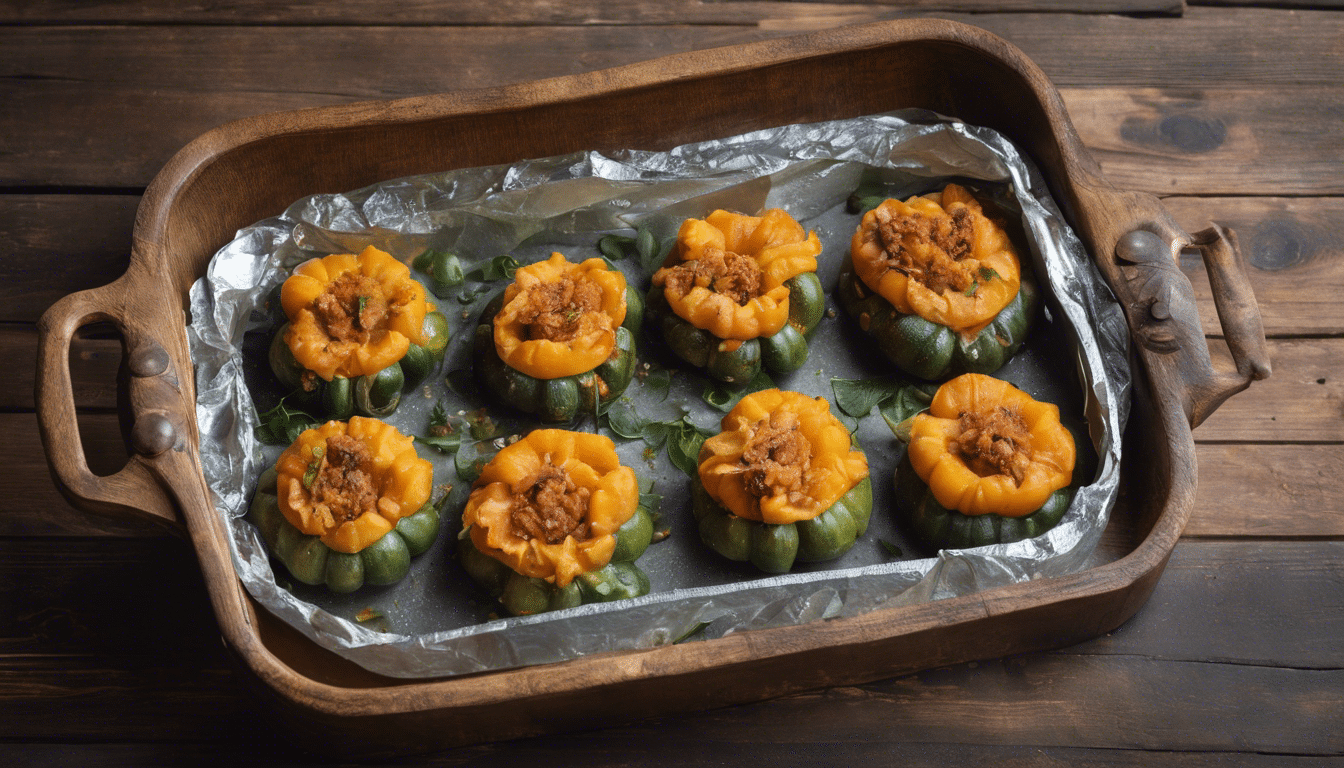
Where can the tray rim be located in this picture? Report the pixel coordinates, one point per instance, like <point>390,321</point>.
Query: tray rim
<point>1123,584</point>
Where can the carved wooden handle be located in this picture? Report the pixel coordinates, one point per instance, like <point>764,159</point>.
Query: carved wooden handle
<point>1138,248</point>
<point>136,491</point>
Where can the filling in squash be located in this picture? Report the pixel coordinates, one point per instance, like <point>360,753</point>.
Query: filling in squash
<point>551,506</point>
<point>350,482</point>
<point>996,442</point>
<point>782,457</point>
<point>728,271</point>
<point>559,318</point>
<point>938,257</point>
<point>986,447</point>
<point>352,315</point>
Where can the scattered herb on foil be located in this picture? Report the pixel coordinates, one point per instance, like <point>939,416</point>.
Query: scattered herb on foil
<point>692,632</point>
<point>282,425</point>
<point>891,549</point>
<point>439,432</point>
<point>724,397</point>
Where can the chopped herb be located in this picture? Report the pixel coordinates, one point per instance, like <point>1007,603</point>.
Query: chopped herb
<point>440,434</point>
<point>363,302</point>
<point>971,290</point>
<point>988,273</point>
<point>891,549</point>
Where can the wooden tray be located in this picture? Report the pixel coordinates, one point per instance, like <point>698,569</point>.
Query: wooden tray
<point>251,169</point>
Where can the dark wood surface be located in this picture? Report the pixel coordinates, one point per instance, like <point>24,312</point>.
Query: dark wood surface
<point>109,653</point>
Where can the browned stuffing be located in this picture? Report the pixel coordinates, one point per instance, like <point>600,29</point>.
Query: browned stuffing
<point>736,276</point>
<point>777,457</point>
<point>555,311</point>
<point>343,483</point>
<point>937,268</point>
<point>351,308</point>
<point>550,506</point>
<point>996,443</point>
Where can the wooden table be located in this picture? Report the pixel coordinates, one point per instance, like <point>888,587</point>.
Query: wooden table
<point>109,653</point>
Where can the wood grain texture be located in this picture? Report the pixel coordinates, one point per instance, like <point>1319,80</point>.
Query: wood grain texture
<point>1268,491</point>
<point>56,244</point>
<point>521,12</point>
<point>74,98</point>
<point>1303,401</point>
<point>1214,141</point>
<point>136,673</point>
<point>1291,247</point>
<point>93,369</point>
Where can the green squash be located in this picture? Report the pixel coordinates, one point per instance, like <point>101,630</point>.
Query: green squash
<point>523,595</point>
<point>931,351</point>
<point>724,361</point>
<point>563,399</point>
<point>310,561</point>
<point>943,528</point>
<point>376,395</point>
<point>774,548</point>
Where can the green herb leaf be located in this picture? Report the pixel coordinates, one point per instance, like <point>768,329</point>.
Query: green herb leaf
<point>651,502</point>
<point>441,443</point>
<point>723,397</point>
<point>856,397</point>
<point>900,410</point>
<point>282,425</point>
<point>363,302</point>
<point>624,419</point>
<point>692,632</point>
<point>988,273</point>
<point>655,433</point>
<point>658,382</point>
<point>971,291</point>
<point>422,262</point>
<point>646,245</point>
<point>446,270</point>
<point>891,549</point>
<point>498,268</point>
<point>683,447</point>
<point>471,459</point>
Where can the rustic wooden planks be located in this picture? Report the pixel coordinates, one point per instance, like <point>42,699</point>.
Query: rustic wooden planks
<point>520,12</point>
<point>75,99</point>
<point>135,671</point>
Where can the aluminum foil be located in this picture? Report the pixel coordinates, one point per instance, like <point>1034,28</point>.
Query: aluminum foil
<point>435,622</point>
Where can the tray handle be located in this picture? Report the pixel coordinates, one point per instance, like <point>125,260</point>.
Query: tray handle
<point>136,492</point>
<point>1144,247</point>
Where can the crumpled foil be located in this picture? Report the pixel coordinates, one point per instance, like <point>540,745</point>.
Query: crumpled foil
<point>435,622</point>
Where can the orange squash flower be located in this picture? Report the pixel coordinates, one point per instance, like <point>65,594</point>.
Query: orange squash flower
<point>352,315</point>
<point>938,257</point>
<point>350,482</point>
<point>985,446</point>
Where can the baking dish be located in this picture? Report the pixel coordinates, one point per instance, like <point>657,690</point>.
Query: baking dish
<point>244,171</point>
